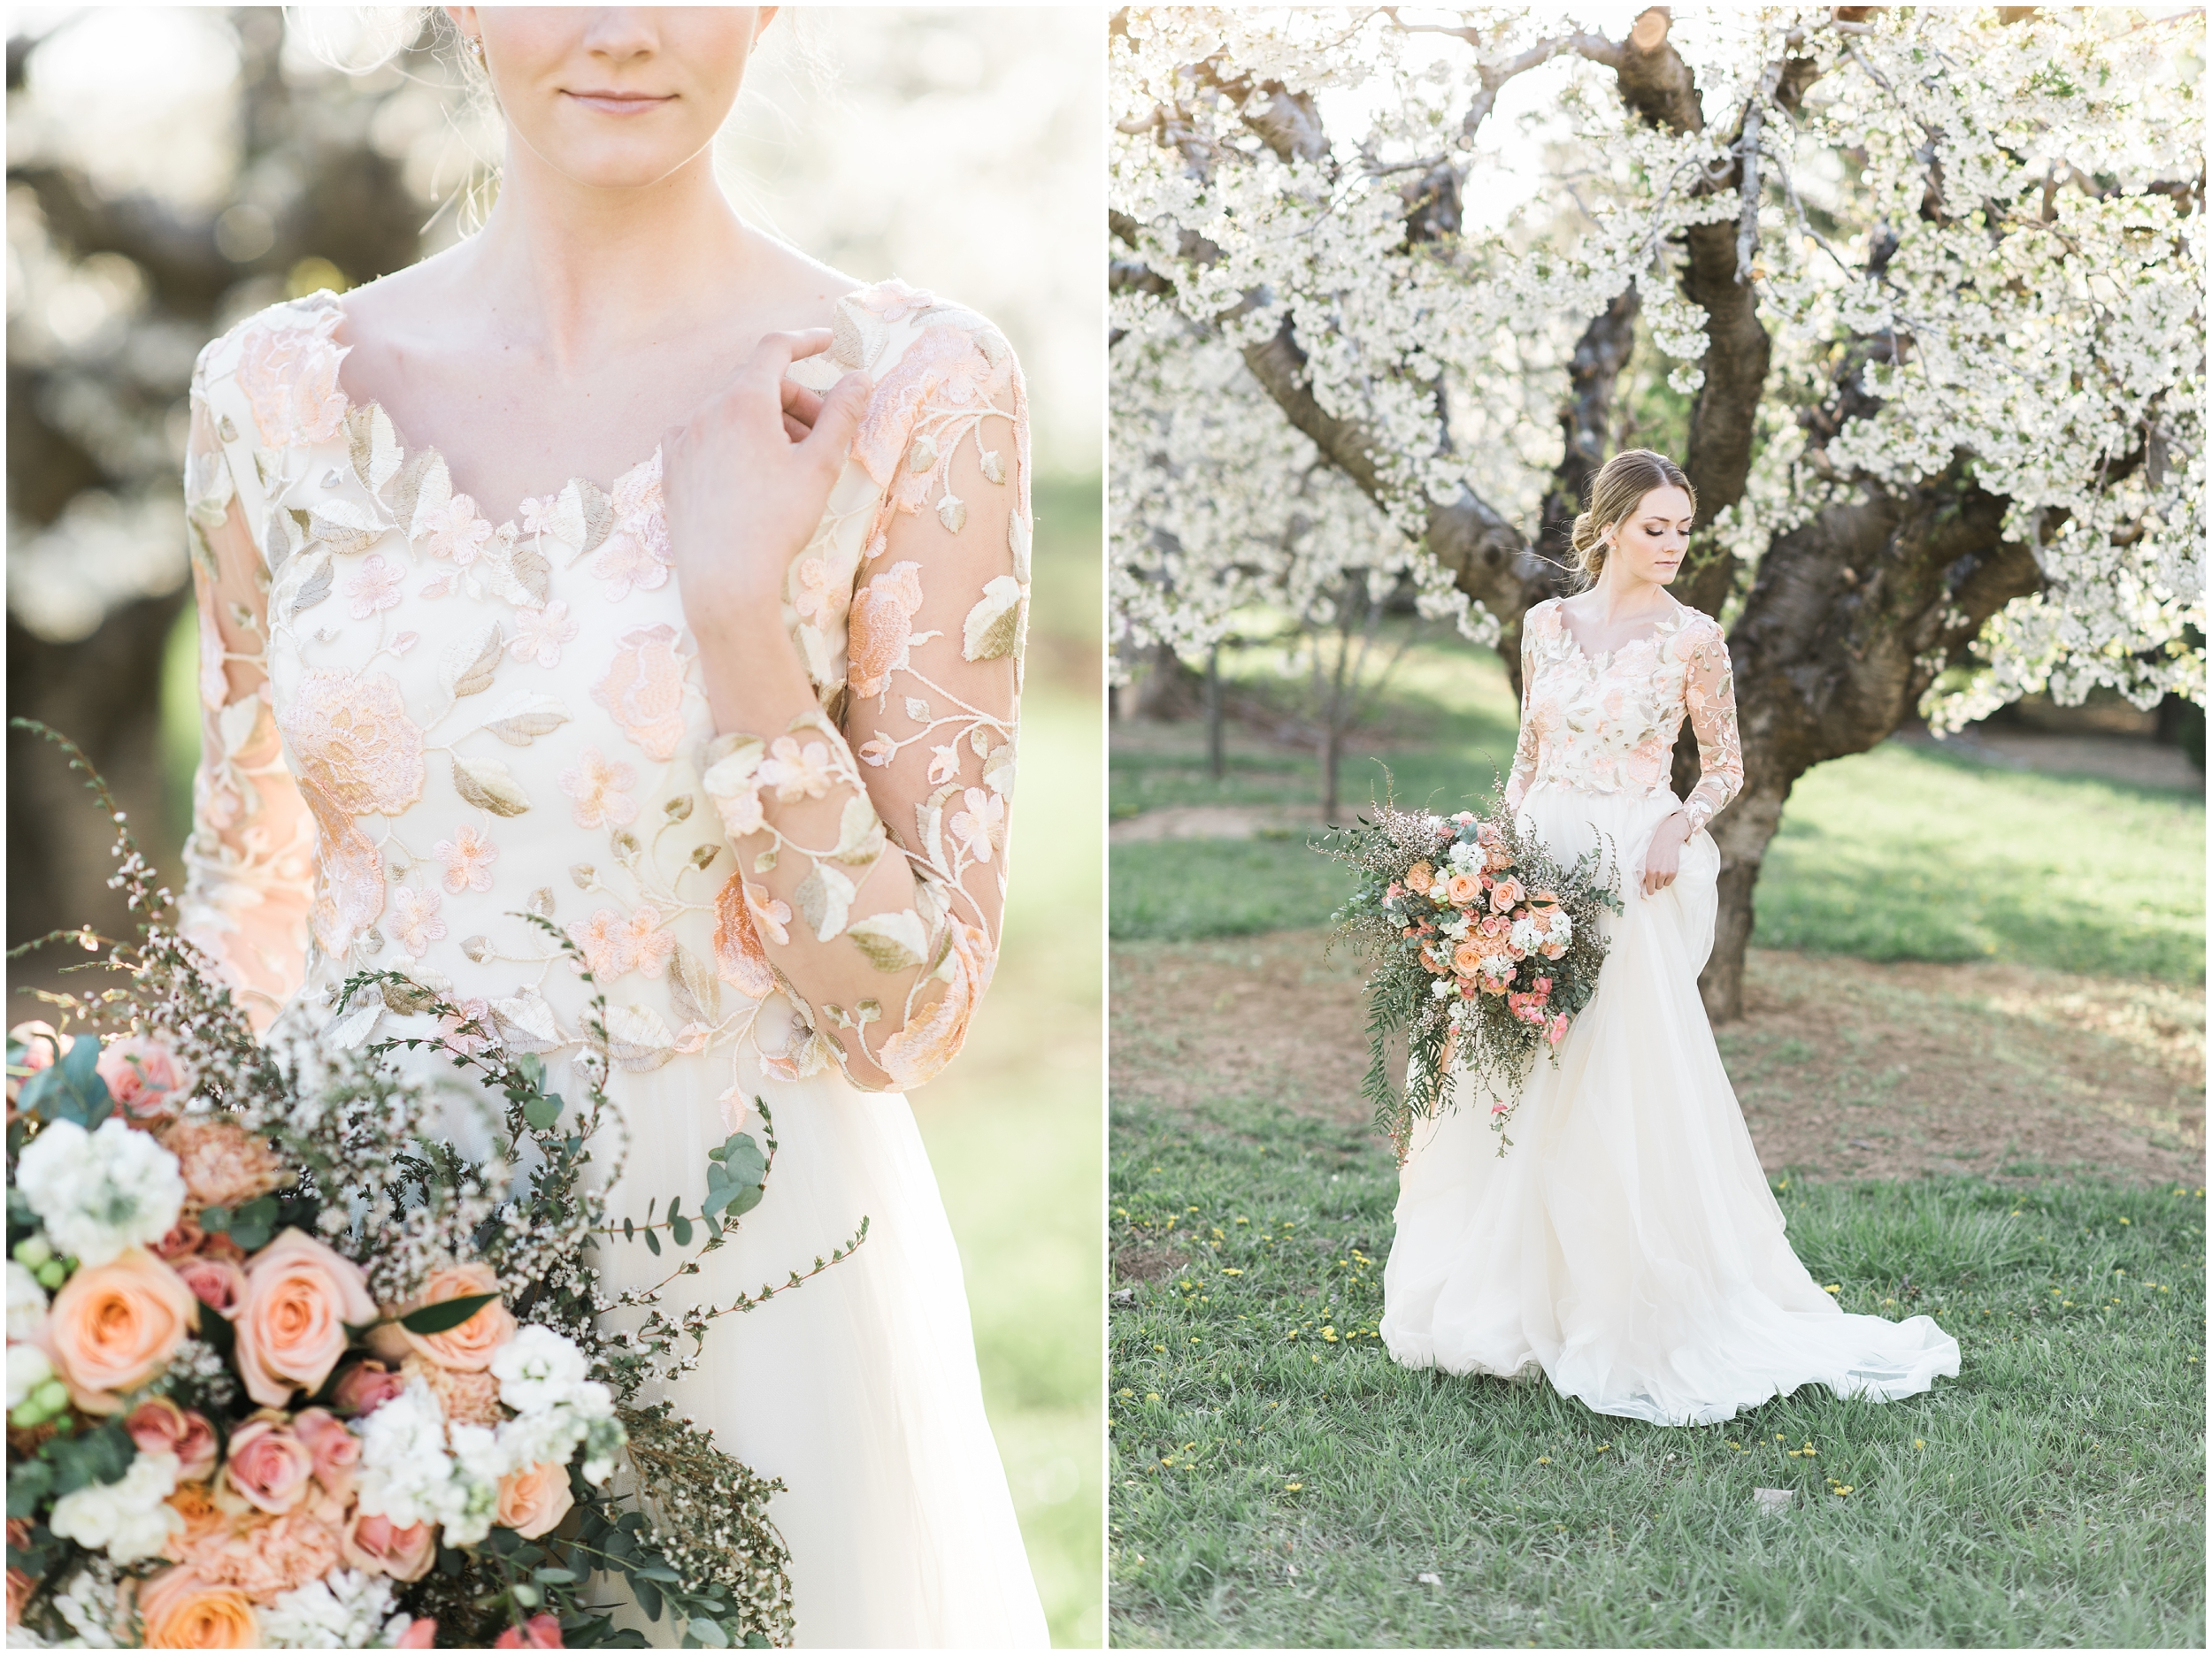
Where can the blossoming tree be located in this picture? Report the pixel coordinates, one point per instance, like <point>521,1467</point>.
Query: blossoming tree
<point>1928,280</point>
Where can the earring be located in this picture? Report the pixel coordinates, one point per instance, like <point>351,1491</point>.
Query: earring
<point>475,46</point>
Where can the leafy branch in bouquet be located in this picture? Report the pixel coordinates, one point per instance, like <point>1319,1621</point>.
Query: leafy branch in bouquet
<point>1485,949</point>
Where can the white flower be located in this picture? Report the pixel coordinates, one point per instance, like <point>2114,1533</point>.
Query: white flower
<point>537,1369</point>
<point>346,1609</point>
<point>405,1469</point>
<point>27,1303</point>
<point>472,1494</point>
<point>100,1192</point>
<point>1499,966</point>
<point>86,1603</point>
<point>1440,989</point>
<point>129,1520</point>
<point>28,1368</point>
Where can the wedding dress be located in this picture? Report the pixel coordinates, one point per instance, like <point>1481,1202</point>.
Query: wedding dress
<point>1626,1244</point>
<point>424,724</point>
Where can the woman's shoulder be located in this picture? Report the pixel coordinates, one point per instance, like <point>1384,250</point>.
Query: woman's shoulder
<point>1694,631</point>
<point>926,355</point>
<point>290,332</point>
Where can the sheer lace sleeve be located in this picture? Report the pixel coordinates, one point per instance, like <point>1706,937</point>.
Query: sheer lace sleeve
<point>1709,688</point>
<point>248,863</point>
<point>1523,769</point>
<point>874,852</point>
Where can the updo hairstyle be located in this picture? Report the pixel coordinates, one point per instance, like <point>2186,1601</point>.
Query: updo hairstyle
<point>1614,491</point>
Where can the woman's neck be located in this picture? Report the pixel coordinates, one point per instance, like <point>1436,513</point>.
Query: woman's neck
<point>575,271</point>
<point>1622,595</point>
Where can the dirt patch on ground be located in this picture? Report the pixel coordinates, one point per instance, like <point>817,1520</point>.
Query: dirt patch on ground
<point>1845,1069</point>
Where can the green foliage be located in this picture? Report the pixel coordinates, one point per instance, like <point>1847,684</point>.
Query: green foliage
<point>1275,1486</point>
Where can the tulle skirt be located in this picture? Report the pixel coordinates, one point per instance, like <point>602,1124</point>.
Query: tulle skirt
<point>1627,1245</point>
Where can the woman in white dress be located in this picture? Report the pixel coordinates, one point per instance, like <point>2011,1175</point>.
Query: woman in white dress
<point>1627,1244</point>
<point>622,566</point>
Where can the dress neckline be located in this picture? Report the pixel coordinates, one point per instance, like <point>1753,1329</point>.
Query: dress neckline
<point>411,451</point>
<point>1670,623</point>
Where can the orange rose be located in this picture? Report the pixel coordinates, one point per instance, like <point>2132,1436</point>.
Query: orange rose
<point>1420,876</point>
<point>468,1348</point>
<point>1466,959</point>
<point>113,1327</point>
<point>291,1324</point>
<point>374,1543</point>
<point>1504,894</point>
<point>1463,888</point>
<point>183,1612</point>
<point>532,1500</point>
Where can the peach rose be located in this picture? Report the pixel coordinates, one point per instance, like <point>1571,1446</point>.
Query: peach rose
<point>224,1165</point>
<point>374,1544</point>
<point>336,1451</point>
<point>114,1325</point>
<point>216,1283</point>
<point>539,1632</point>
<point>183,1612</point>
<point>159,1426</point>
<point>421,1633</point>
<point>146,1079</point>
<point>1504,894</point>
<point>468,1348</point>
<point>268,1467</point>
<point>532,1500</point>
<point>465,1396</point>
<point>1467,958</point>
<point>1463,888</point>
<point>1420,876</point>
<point>365,1387</point>
<point>880,629</point>
<point>291,1324</point>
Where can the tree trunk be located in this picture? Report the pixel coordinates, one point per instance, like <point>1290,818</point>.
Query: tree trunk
<point>1216,761</point>
<point>1332,750</point>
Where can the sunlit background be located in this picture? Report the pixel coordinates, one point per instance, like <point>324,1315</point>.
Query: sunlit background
<point>171,170</point>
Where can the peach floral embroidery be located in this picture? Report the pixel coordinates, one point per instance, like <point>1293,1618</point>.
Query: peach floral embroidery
<point>540,634</point>
<point>636,555</point>
<point>468,857</point>
<point>375,587</point>
<point>878,752</point>
<point>437,587</point>
<point>943,366</point>
<point>769,914</point>
<point>649,946</point>
<point>795,771</point>
<point>944,764</point>
<point>738,959</point>
<point>934,1033</point>
<point>605,940</point>
<point>981,827</point>
<point>819,599</point>
<point>290,378</point>
<point>893,301</point>
<point>457,531</point>
<point>601,791</point>
<point>475,1010</point>
<point>626,566</point>
<point>415,920</point>
<point>881,629</point>
<point>353,739</point>
<point>741,811</point>
<point>644,690</point>
<point>349,873</point>
<point>537,513</point>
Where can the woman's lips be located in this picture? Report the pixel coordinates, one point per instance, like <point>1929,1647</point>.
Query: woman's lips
<point>622,103</point>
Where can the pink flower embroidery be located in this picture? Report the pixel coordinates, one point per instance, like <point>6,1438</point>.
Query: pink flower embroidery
<point>353,739</point>
<point>882,627</point>
<point>636,555</point>
<point>877,751</point>
<point>738,959</point>
<point>649,946</point>
<point>468,857</point>
<point>415,920</point>
<point>769,915</point>
<point>741,811</point>
<point>626,565</point>
<point>290,378</point>
<point>437,587</point>
<point>644,690</point>
<point>540,634</point>
<point>982,828</point>
<point>537,513</point>
<point>798,772</point>
<point>944,365</point>
<point>475,1011</point>
<point>457,531</point>
<point>375,587</point>
<point>605,940</point>
<point>601,791</point>
<point>893,300</point>
<point>944,764</point>
<point>819,599</point>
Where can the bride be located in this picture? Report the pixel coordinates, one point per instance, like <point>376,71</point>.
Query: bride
<point>622,567</point>
<point>1627,1244</point>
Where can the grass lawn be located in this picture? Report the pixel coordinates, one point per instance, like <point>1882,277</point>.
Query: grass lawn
<point>1278,1480</point>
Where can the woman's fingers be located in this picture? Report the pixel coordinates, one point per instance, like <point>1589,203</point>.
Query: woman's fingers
<point>838,415</point>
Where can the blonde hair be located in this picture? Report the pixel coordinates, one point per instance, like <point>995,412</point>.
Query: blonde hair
<point>1620,486</point>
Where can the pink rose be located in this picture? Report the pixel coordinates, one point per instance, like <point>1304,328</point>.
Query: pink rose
<point>336,1451</point>
<point>421,1633</point>
<point>159,1426</point>
<point>365,1387</point>
<point>114,1326</point>
<point>534,1498</point>
<point>1463,888</point>
<point>1557,1032</point>
<point>1504,894</point>
<point>145,1078</point>
<point>539,1632</point>
<point>39,1044</point>
<point>375,1544</point>
<point>291,1325</point>
<point>216,1283</point>
<point>269,1467</point>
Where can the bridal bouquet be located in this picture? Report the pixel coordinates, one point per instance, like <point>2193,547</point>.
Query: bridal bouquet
<point>286,1369</point>
<point>1483,947</point>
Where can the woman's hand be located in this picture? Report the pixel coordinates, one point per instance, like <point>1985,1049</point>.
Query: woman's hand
<point>746,480</point>
<point>1663,855</point>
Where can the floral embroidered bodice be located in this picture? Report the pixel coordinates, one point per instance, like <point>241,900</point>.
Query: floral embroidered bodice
<point>1607,725</point>
<point>425,731</point>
